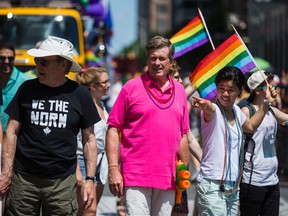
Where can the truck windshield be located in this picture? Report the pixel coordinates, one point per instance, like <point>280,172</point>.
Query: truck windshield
<point>26,31</point>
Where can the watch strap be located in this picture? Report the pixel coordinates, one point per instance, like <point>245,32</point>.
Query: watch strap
<point>93,178</point>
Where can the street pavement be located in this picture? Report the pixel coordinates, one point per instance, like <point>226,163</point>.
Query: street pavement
<point>107,205</point>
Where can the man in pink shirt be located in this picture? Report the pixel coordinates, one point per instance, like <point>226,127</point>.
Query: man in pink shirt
<point>151,116</point>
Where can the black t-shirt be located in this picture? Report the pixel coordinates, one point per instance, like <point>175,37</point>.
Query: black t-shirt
<point>50,121</point>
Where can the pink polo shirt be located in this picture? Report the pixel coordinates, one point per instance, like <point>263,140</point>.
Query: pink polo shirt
<point>151,132</point>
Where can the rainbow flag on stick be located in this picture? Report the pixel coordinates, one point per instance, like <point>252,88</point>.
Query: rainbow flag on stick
<point>190,37</point>
<point>231,52</point>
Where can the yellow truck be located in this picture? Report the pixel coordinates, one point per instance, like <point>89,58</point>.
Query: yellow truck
<point>26,27</point>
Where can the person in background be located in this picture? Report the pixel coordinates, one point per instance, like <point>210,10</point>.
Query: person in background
<point>10,78</point>
<point>39,150</point>
<point>242,99</point>
<point>193,144</point>
<point>115,90</point>
<point>151,115</point>
<point>96,80</point>
<point>222,122</point>
<point>194,147</point>
<point>259,190</point>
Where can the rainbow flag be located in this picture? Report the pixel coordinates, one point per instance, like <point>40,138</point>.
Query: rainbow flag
<point>231,52</point>
<point>190,37</point>
<point>92,60</point>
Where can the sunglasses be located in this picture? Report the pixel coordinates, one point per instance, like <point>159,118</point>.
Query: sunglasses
<point>10,58</point>
<point>43,62</point>
<point>274,86</point>
<point>269,74</point>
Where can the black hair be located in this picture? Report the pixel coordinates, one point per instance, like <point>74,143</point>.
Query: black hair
<point>231,73</point>
<point>7,46</point>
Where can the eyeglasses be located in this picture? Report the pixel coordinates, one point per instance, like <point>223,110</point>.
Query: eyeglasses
<point>104,82</point>
<point>10,58</point>
<point>177,77</point>
<point>274,86</point>
<point>43,62</point>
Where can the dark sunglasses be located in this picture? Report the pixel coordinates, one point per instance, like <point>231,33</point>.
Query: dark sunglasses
<point>274,86</point>
<point>269,74</point>
<point>43,62</point>
<point>3,58</point>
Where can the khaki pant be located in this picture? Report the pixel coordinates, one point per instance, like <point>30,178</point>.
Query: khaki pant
<point>149,201</point>
<point>28,195</point>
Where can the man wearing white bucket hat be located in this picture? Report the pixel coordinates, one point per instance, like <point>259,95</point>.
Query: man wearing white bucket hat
<point>39,150</point>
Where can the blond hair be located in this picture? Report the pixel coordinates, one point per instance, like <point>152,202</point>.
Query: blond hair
<point>90,75</point>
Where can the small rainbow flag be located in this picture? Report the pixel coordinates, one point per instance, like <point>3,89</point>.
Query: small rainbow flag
<point>92,60</point>
<point>231,52</point>
<point>190,37</point>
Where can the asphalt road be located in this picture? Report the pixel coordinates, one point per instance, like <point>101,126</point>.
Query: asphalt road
<point>107,205</point>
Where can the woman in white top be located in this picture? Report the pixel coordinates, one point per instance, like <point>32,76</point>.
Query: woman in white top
<point>97,81</point>
<point>222,122</point>
<point>259,190</point>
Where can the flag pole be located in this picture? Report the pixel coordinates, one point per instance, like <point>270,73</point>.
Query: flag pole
<point>263,75</point>
<point>204,23</point>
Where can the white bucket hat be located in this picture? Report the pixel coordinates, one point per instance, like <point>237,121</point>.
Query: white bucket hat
<point>256,79</point>
<point>55,46</point>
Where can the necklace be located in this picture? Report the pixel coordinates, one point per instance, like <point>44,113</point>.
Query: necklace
<point>232,186</point>
<point>162,101</point>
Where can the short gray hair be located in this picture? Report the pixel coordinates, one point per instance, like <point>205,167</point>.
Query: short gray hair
<point>159,42</point>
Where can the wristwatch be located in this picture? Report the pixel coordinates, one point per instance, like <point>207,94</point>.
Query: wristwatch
<point>92,178</point>
<point>267,102</point>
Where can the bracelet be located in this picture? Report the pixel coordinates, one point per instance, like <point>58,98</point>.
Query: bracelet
<point>111,166</point>
<point>267,102</point>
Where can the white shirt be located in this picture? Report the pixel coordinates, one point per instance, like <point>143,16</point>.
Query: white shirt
<point>214,141</point>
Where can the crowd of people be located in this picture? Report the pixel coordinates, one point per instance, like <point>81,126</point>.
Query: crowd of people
<point>61,144</point>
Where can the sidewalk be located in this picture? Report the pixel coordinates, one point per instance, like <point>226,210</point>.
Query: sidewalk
<point>107,205</point>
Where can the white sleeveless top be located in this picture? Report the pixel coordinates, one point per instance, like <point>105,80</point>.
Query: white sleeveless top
<point>264,160</point>
<point>214,141</point>
<point>100,129</point>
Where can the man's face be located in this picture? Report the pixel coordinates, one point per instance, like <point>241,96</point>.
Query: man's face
<point>158,63</point>
<point>6,61</point>
<point>50,69</point>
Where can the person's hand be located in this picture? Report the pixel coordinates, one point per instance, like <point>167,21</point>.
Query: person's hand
<point>273,94</point>
<point>88,193</point>
<point>5,181</point>
<point>199,103</point>
<point>115,182</point>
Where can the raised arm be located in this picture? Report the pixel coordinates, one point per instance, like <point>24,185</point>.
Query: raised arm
<point>250,125</point>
